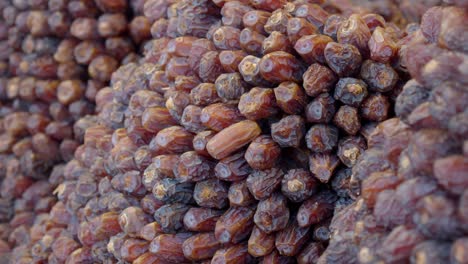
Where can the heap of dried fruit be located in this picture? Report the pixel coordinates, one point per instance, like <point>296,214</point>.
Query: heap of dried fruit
<point>412,180</point>
<point>233,147</point>
<point>54,57</point>
<point>253,131</point>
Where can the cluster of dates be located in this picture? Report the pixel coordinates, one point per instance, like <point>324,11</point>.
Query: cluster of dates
<point>54,57</point>
<point>413,178</point>
<point>240,132</point>
<point>232,140</point>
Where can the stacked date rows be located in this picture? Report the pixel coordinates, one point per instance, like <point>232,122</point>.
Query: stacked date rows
<point>412,179</point>
<point>54,57</point>
<point>233,139</point>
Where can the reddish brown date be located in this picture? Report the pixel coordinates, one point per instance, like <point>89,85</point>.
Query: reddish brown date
<point>280,66</point>
<point>234,225</point>
<point>272,214</point>
<point>263,183</point>
<point>258,103</point>
<point>260,243</point>
<point>232,255</point>
<point>201,246</point>
<point>239,194</point>
<point>232,138</point>
<point>316,209</point>
<point>290,240</point>
<point>233,168</point>
<point>290,97</point>
<point>201,219</point>
<point>262,153</point>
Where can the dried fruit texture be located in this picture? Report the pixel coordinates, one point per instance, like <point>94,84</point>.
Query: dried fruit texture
<point>263,183</point>
<point>322,138</point>
<point>450,30</point>
<point>389,211</point>
<point>344,59</point>
<point>230,86</point>
<point>347,118</point>
<point>280,66</point>
<point>421,155</point>
<point>349,150</point>
<point>431,250</point>
<point>289,131</point>
<point>50,82</point>
<point>201,219</point>
<point>251,41</point>
<point>411,201</point>
<point>233,168</point>
<point>318,79</point>
<point>172,142</point>
<point>451,173</point>
<point>323,165</point>
<point>132,219</point>
<point>256,20</point>
<point>171,190</point>
<point>210,67</point>
<point>239,194</point>
<point>313,13</point>
<point>276,41</point>
<point>354,31</point>
<point>351,91</point>
<point>258,103</point>
<point>377,182</point>
<point>457,253</point>
<point>234,225</point>
<point>382,47</point>
<point>227,38</point>
<point>290,240</point>
<point>250,70</point>
<point>219,116</point>
<point>232,138</point>
<point>233,254</point>
<point>230,59</point>
<point>277,21</point>
<point>201,246</point>
<point>233,13</point>
<point>275,257</point>
<point>380,77</point>
<point>311,48</point>
<point>432,214</point>
<point>193,167</point>
<point>316,209</point>
<point>169,247</point>
<point>211,193</point>
<point>298,185</point>
<point>290,97</point>
<point>190,119</point>
<point>332,25</point>
<point>260,243</point>
<point>272,214</point>
<point>262,153</point>
<point>204,94</point>
<point>310,253</point>
<point>170,216</point>
<point>399,244</point>
<point>376,107</point>
<point>321,109</point>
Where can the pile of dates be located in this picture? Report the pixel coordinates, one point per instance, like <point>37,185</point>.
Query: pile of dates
<point>253,131</point>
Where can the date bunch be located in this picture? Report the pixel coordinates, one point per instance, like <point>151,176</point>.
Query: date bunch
<point>413,178</point>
